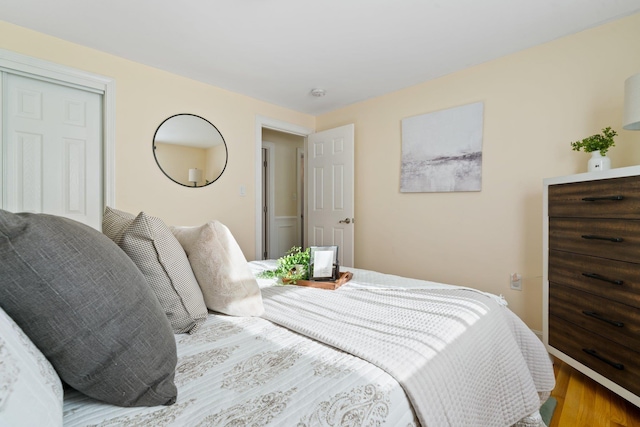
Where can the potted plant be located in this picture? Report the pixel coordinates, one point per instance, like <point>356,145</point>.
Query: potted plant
<point>292,267</point>
<point>597,145</point>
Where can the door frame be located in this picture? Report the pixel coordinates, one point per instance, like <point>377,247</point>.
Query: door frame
<point>40,69</point>
<point>301,172</point>
<point>270,147</point>
<point>269,123</point>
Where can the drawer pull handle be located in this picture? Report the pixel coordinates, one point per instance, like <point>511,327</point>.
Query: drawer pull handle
<point>604,279</point>
<point>597,316</point>
<point>593,199</point>
<point>595,354</point>
<point>609,239</point>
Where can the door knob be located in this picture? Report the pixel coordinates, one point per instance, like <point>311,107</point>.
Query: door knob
<point>345,221</point>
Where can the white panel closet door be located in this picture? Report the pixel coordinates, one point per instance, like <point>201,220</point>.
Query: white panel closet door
<point>53,150</point>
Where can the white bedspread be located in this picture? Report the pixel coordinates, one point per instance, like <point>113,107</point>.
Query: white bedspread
<point>462,357</point>
<point>237,371</point>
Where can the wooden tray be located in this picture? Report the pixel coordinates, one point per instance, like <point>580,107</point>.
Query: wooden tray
<point>345,276</point>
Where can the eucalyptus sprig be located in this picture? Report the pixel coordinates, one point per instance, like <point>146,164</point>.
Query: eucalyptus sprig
<point>292,267</point>
<point>596,142</point>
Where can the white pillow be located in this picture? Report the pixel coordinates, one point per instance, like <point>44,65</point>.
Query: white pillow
<point>154,249</point>
<point>227,284</point>
<point>30,389</point>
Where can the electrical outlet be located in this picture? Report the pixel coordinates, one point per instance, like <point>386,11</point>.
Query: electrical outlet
<point>516,281</point>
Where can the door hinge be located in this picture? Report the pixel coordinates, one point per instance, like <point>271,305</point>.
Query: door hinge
<point>264,255</point>
<point>264,209</point>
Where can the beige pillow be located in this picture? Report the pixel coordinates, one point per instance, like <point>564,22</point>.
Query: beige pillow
<point>154,249</point>
<point>221,269</point>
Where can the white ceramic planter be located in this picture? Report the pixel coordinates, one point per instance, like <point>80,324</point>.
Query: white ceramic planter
<point>598,162</point>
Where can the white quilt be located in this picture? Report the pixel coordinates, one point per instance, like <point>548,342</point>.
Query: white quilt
<point>246,371</point>
<point>462,357</point>
<point>251,372</point>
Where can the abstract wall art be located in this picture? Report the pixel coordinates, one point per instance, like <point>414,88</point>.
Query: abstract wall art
<point>442,150</point>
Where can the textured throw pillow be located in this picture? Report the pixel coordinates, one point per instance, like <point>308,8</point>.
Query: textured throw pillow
<point>221,269</point>
<point>163,262</point>
<point>30,389</point>
<point>115,222</point>
<point>86,306</point>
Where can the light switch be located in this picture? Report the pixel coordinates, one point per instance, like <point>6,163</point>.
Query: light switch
<point>516,281</point>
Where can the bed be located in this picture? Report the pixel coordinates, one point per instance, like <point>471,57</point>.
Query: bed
<point>380,350</point>
<point>252,371</point>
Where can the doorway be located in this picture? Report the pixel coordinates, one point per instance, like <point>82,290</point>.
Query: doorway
<point>328,215</point>
<point>263,123</point>
<point>282,192</point>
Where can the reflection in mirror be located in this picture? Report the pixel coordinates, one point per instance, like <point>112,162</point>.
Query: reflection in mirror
<point>190,150</point>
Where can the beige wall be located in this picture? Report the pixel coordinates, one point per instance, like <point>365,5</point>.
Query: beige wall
<point>145,97</point>
<point>284,170</point>
<point>536,102</point>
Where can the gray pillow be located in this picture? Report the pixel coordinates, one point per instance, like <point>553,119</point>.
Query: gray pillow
<point>158,254</point>
<point>88,309</point>
<point>115,222</point>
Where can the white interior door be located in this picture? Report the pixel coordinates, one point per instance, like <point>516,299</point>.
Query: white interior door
<point>330,191</point>
<point>52,150</point>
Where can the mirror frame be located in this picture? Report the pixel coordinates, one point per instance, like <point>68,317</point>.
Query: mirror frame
<point>226,150</point>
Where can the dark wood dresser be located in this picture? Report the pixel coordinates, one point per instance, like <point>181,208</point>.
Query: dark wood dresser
<point>592,276</point>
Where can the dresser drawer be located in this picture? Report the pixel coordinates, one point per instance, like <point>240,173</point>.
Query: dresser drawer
<point>616,280</point>
<point>574,340</point>
<point>618,322</point>
<point>613,239</point>
<point>606,198</point>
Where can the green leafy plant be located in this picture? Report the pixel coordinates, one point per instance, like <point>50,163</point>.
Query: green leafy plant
<point>292,267</point>
<point>598,142</point>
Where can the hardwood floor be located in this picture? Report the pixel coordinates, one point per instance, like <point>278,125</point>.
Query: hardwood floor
<point>584,403</point>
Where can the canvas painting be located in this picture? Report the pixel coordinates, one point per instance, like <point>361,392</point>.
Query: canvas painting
<point>442,151</point>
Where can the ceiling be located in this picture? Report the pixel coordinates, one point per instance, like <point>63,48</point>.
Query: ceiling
<point>279,50</point>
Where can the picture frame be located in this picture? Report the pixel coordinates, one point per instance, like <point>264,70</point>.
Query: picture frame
<point>323,263</point>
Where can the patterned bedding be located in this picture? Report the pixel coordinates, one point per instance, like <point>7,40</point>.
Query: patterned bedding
<point>243,371</point>
<point>249,372</point>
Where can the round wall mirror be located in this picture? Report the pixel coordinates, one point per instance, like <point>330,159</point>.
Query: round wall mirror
<point>190,150</point>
